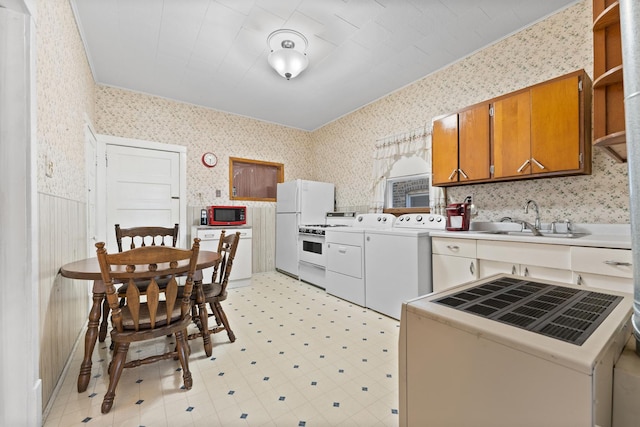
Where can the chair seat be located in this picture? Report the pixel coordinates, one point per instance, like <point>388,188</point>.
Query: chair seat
<point>210,290</point>
<point>145,317</point>
<point>213,290</point>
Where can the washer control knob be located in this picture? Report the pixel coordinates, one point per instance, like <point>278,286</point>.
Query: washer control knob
<point>419,218</point>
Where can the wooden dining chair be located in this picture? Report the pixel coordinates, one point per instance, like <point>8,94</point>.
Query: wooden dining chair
<point>132,238</point>
<point>138,320</point>
<point>215,293</point>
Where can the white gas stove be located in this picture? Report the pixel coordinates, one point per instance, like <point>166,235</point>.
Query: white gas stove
<point>311,246</point>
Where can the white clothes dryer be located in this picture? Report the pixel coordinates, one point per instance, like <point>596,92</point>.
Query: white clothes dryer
<point>345,276</point>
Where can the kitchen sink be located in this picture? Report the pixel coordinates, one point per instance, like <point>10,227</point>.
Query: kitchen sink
<point>530,234</point>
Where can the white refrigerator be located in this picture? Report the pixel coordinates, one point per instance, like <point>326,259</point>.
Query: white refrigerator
<point>298,203</point>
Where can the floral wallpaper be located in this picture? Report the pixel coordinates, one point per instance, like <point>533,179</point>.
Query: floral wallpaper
<point>134,115</point>
<point>341,151</point>
<point>65,94</point>
<point>555,46</point>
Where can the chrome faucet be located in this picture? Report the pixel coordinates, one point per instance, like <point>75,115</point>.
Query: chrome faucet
<point>535,207</point>
<point>535,231</point>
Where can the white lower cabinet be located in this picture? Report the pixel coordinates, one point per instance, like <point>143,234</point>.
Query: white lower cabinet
<point>603,268</point>
<point>489,268</point>
<point>454,262</point>
<point>457,261</point>
<point>538,261</point>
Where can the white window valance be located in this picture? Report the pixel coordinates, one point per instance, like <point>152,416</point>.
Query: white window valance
<point>390,149</point>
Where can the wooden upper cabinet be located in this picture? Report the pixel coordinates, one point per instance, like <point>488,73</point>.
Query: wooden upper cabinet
<point>540,131</point>
<point>473,144</point>
<point>511,123</point>
<point>444,148</point>
<point>555,126</point>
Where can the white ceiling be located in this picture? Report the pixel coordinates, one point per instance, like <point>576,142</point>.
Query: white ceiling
<point>213,53</point>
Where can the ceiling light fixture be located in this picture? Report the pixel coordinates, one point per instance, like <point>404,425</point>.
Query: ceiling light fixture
<point>288,52</point>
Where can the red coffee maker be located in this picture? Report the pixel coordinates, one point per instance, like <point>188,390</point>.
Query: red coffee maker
<point>458,216</point>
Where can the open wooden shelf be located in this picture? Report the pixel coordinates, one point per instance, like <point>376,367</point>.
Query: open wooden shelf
<point>610,16</point>
<point>610,77</point>
<point>608,94</point>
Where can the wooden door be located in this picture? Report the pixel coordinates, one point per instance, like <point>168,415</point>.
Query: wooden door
<point>511,127</point>
<point>142,189</point>
<point>474,144</point>
<point>444,147</point>
<point>555,126</point>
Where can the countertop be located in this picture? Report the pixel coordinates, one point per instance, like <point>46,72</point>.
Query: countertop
<point>221,227</point>
<point>613,236</point>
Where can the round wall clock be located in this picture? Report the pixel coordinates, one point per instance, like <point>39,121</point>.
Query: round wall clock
<point>209,160</point>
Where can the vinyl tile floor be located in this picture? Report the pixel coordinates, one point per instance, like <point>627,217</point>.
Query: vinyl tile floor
<point>301,358</point>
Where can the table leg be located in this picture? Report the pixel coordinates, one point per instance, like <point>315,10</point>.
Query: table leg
<point>90,341</point>
<point>105,321</point>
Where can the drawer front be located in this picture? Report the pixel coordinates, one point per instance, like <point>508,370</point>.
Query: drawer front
<point>544,255</point>
<point>345,259</point>
<point>344,237</point>
<point>607,283</point>
<point>456,247</point>
<point>606,262</point>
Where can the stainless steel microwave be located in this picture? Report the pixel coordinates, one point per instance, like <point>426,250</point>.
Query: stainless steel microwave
<point>227,215</point>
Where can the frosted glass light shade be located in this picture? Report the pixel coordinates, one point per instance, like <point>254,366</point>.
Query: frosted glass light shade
<point>288,62</point>
<point>288,52</point>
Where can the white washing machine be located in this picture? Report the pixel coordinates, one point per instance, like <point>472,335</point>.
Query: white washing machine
<point>345,275</point>
<point>398,262</point>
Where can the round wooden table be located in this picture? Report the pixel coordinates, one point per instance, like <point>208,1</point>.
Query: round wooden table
<point>89,269</point>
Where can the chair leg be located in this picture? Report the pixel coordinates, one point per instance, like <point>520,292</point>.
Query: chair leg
<point>105,320</point>
<point>183,355</point>
<point>215,313</point>
<point>115,371</point>
<point>223,318</point>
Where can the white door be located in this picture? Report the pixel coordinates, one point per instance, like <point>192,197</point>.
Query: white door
<point>142,189</point>
<point>91,159</point>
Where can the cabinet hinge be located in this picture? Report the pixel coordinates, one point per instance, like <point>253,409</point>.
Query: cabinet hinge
<point>490,111</point>
<point>106,160</point>
<point>581,158</point>
<point>492,168</point>
<point>580,85</point>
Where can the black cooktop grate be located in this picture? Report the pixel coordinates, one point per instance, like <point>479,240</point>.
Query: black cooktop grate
<point>567,314</point>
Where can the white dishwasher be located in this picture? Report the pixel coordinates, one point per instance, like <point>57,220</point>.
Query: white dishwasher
<point>242,263</point>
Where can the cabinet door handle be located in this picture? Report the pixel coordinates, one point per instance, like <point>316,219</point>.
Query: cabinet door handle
<point>455,171</point>
<point>618,263</point>
<point>463,174</point>
<point>513,269</point>
<point>524,165</point>
<point>526,272</point>
<point>472,269</point>
<point>540,165</point>
<point>342,249</point>
<point>453,248</point>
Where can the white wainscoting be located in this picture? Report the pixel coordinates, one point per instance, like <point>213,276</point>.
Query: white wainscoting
<point>64,303</point>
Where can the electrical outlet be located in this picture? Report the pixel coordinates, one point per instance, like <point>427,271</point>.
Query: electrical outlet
<point>218,193</point>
